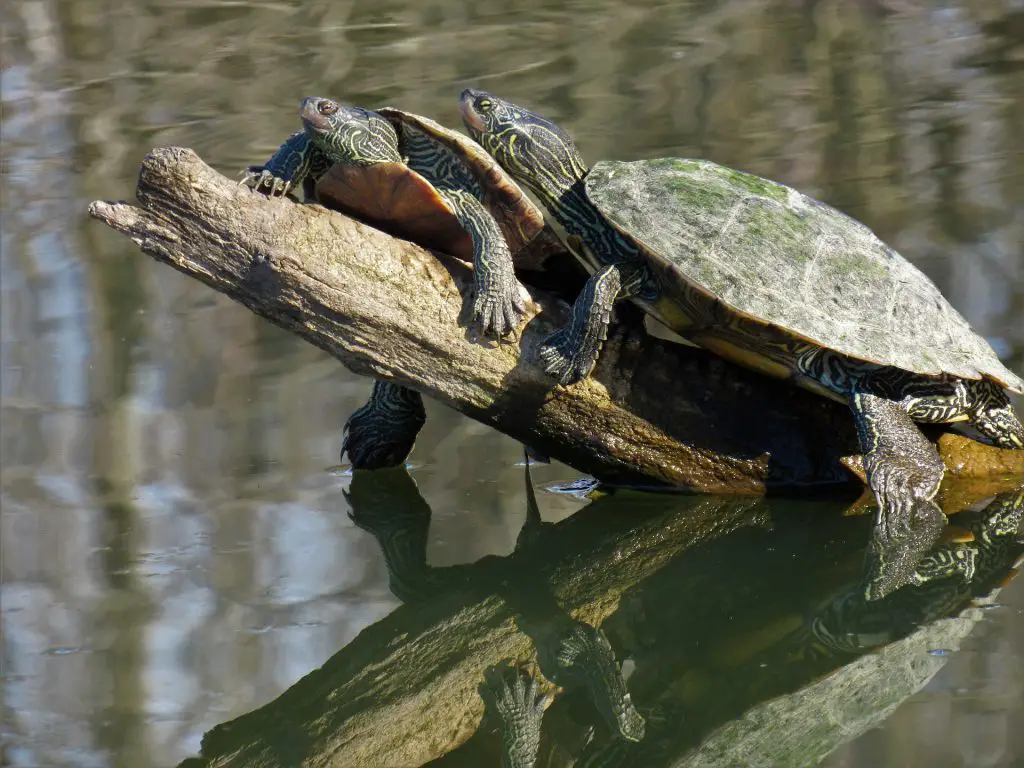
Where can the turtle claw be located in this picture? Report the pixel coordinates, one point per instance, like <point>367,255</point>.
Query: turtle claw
<point>498,312</point>
<point>558,361</point>
<point>258,178</point>
<point>498,304</point>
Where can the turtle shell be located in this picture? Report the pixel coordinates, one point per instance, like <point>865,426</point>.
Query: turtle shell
<point>395,198</point>
<point>781,258</point>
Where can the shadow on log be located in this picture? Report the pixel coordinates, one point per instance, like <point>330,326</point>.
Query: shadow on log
<point>654,412</point>
<point>745,620</point>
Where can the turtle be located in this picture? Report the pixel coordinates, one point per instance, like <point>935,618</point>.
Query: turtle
<point>414,178</point>
<point>766,277</point>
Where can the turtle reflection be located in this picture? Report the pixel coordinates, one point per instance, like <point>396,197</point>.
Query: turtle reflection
<point>572,654</point>
<point>763,694</point>
<point>943,581</point>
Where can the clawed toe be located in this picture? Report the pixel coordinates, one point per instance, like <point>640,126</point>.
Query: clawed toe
<point>259,179</point>
<point>495,314</point>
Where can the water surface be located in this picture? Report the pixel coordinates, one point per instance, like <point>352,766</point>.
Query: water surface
<point>177,547</point>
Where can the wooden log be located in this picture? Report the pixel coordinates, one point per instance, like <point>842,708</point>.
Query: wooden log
<point>653,412</point>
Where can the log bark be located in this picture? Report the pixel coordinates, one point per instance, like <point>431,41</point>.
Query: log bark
<point>653,412</point>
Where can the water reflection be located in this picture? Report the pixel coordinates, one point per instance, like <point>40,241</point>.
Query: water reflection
<point>749,636</point>
<point>172,549</point>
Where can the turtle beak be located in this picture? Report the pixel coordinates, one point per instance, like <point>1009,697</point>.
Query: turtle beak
<point>311,114</point>
<point>470,117</point>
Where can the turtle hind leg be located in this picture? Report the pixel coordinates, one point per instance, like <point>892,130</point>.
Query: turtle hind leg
<point>381,433</point>
<point>498,304</point>
<point>993,416</point>
<point>569,353</point>
<point>903,467</point>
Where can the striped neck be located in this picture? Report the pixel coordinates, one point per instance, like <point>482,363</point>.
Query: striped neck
<point>572,209</point>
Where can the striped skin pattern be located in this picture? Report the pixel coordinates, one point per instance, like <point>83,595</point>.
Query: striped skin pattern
<point>352,135</point>
<point>944,580</point>
<point>903,468</point>
<point>497,303</point>
<point>512,699</point>
<point>381,433</point>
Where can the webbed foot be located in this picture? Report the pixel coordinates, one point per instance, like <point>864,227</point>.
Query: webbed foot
<point>513,699</point>
<point>560,359</point>
<point>901,487</point>
<point>570,353</point>
<point>382,432</point>
<point>296,161</point>
<point>903,468</point>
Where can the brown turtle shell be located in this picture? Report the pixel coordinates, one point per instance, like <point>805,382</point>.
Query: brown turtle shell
<point>398,200</point>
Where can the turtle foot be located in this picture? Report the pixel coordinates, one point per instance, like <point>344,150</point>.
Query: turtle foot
<point>893,561</point>
<point>513,698</point>
<point>498,309</point>
<point>382,432</point>
<point>259,179</point>
<point>900,487</point>
<point>557,359</point>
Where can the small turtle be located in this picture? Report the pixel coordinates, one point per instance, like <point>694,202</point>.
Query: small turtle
<point>769,278</point>
<point>414,178</point>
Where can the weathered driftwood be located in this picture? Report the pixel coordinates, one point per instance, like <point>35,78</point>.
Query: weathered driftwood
<point>653,411</point>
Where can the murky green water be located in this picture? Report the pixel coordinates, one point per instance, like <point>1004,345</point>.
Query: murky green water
<point>177,549</point>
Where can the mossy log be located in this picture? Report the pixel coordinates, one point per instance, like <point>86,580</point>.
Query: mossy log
<point>653,412</point>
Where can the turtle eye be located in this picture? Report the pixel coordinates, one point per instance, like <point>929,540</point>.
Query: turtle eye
<point>326,108</point>
<point>484,105</point>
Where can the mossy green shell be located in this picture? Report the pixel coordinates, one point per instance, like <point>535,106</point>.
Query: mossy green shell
<point>779,257</point>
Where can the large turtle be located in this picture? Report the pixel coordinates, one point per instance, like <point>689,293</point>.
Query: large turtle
<point>416,179</point>
<point>766,277</point>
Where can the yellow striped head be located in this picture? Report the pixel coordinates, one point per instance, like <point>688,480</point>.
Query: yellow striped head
<point>532,149</point>
<point>349,134</point>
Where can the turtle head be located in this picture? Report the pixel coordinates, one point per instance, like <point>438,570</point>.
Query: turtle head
<point>531,148</point>
<point>349,134</point>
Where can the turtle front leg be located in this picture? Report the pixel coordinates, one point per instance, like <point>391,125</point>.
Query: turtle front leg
<point>497,302</point>
<point>297,162</point>
<point>570,353</point>
<point>904,469</point>
<point>382,432</point>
